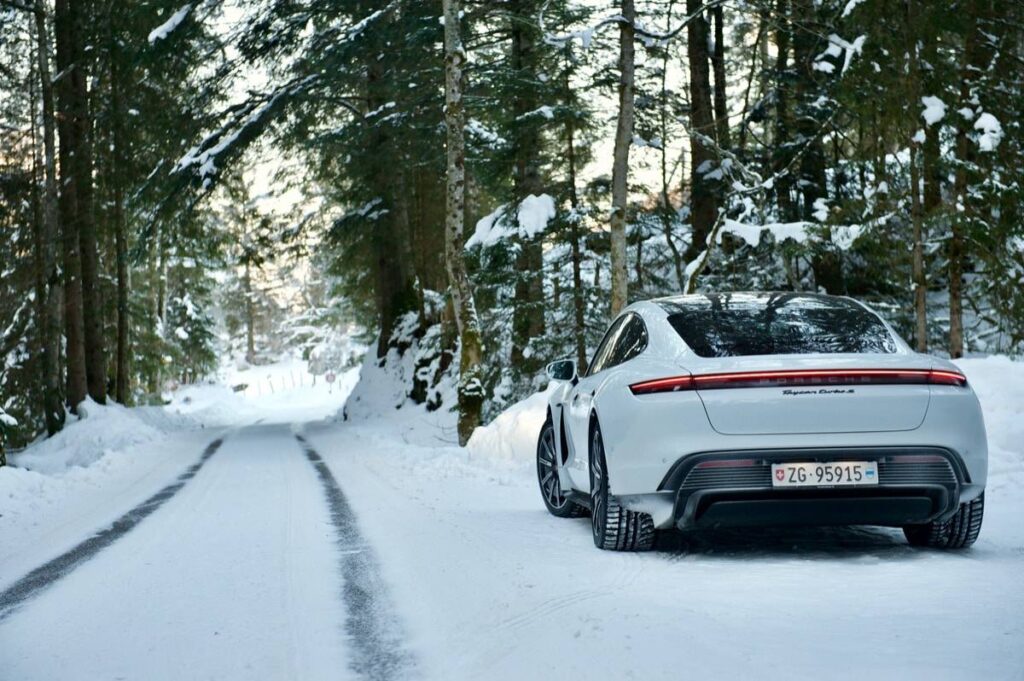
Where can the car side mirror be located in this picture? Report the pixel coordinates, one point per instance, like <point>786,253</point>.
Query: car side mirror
<point>562,370</point>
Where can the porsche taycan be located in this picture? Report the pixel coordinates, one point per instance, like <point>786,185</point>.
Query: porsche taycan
<point>762,409</point>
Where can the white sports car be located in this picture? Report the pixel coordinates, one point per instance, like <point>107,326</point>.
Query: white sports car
<point>753,409</point>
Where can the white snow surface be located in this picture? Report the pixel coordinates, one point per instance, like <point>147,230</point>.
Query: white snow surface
<point>934,110</point>
<point>850,6</point>
<point>235,578</point>
<point>843,236</point>
<point>165,29</point>
<point>6,419</point>
<point>95,432</point>
<point>991,131</point>
<point>532,218</point>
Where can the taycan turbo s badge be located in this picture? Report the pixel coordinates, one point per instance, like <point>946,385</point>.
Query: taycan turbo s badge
<point>820,391</point>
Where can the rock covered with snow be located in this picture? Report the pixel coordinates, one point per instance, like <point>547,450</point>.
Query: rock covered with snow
<point>416,372</point>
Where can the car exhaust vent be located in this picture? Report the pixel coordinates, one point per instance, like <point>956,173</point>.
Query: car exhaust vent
<point>799,378</point>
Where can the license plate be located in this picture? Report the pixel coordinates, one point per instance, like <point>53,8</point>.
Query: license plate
<point>829,474</point>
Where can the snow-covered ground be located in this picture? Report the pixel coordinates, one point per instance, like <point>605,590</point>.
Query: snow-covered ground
<point>240,574</point>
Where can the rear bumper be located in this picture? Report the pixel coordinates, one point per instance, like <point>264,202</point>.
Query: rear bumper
<point>734,489</point>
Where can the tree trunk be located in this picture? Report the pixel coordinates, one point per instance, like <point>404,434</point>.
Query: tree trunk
<point>528,303</point>
<point>121,385</point>
<point>781,156</point>
<point>667,210</point>
<point>250,315</point>
<point>66,23</point>
<point>92,309</point>
<point>931,162</point>
<point>703,205</point>
<point>920,283</point>
<point>620,167</point>
<point>49,285</point>
<point>579,330</point>
<point>721,82</point>
<point>918,273</point>
<point>396,293</point>
<point>974,56</point>
<point>812,180</point>
<point>471,390</point>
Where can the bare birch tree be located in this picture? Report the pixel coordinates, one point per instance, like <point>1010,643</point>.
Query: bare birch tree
<point>471,393</point>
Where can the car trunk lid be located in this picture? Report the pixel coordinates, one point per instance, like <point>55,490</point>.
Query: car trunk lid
<point>803,395</point>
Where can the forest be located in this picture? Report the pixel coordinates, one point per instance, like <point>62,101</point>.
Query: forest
<point>477,188</point>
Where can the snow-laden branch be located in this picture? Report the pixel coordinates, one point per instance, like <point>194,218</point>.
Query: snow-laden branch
<point>746,184</point>
<point>244,122</point>
<point>838,47</point>
<point>361,25</point>
<point>247,120</point>
<point>586,35</point>
<point>165,29</point>
<point>7,420</point>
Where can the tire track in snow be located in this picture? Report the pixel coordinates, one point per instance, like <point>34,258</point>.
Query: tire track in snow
<point>43,576</point>
<point>378,653</point>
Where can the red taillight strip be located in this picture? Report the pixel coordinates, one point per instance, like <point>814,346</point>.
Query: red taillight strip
<point>799,377</point>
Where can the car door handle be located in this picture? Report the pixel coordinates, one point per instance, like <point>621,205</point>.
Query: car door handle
<point>575,398</point>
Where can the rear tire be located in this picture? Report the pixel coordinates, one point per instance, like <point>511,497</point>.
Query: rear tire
<point>547,476</point>
<point>615,528</point>
<point>959,532</point>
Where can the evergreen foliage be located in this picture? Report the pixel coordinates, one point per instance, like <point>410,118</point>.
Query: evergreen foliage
<point>871,149</point>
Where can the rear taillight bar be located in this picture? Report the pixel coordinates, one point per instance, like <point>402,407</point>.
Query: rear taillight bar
<point>799,377</point>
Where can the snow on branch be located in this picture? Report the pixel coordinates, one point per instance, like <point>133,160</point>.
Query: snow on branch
<point>649,36</point>
<point>850,49</point>
<point>838,47</point>
<point>746,184</point>
<point>360,26</point>
<point>245,122</point>
<point>165,29</point>
<point>337,37</point>
<point>532,217</point>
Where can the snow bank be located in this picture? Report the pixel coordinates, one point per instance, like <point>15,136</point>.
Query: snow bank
<point>99,430</point>
<point>511,438</point>
<point>54,489</point>
<point>999,383</point>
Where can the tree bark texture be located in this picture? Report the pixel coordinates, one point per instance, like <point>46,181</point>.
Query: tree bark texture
<point>65,26</point>
<point>50,287</point>
<point>528,301</point>
<point>471,391</point>
<point>620,167</point>
<point>703,203</point>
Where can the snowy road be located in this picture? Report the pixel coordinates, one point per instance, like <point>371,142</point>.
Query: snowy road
<point>376,550</point>
<point>491,586</point>
<point>240,571</point>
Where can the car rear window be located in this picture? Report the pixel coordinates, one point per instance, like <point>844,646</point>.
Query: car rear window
<point>734,324</point>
